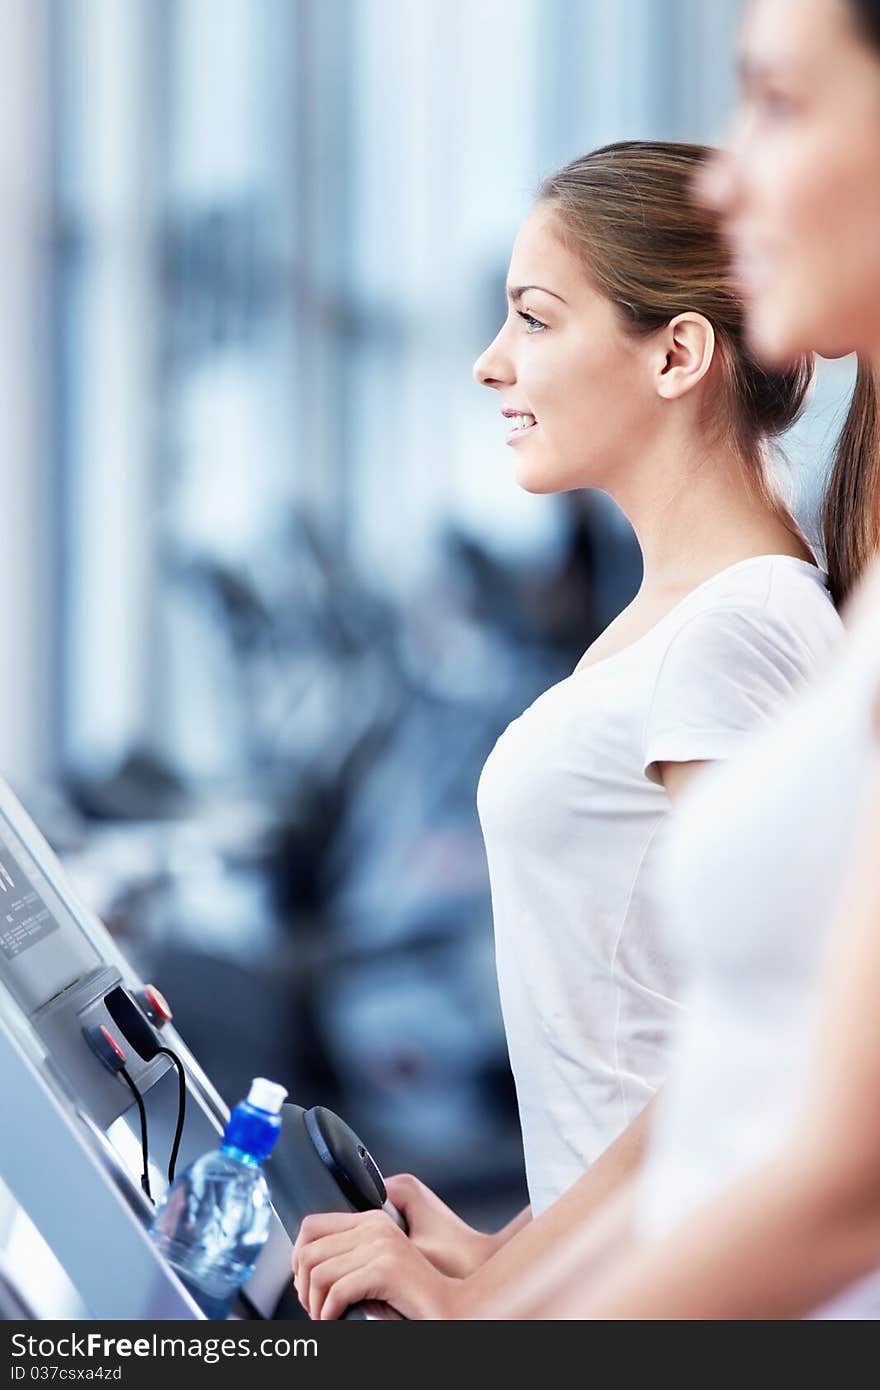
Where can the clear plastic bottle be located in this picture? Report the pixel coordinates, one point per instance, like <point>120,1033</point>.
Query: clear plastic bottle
<point>215,1218</point>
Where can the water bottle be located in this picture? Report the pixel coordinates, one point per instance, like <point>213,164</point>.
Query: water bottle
<point>215,1217</point>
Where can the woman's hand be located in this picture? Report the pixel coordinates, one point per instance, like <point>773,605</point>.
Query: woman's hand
<point>449,1243</point>
<point>341,1258</point>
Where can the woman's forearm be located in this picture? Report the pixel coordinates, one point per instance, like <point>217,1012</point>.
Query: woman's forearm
<point>500,1284</point>
<point>513,1227</point>
<point>578,1260</point>
<point>777,1244</point>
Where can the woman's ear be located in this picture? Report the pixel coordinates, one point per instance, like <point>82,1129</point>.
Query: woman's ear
<point>686,347</point>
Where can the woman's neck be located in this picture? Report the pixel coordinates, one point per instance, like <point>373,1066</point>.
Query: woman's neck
<point>697,510</point>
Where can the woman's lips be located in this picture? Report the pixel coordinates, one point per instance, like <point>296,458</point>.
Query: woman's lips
<point>520,432</point>
<point>523,422</point>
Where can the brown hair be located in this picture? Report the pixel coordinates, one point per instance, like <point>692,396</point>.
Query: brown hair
<point>850,510</point>
<point>629,209</point>
<point>851,507</point>
<point>867,17</point>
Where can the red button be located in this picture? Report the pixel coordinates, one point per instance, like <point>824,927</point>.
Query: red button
<point>105,1047</point>
<point>159,1004</point>
<point>112,1043</point>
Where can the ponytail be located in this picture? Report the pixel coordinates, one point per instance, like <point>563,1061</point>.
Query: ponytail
<point>851,509</point>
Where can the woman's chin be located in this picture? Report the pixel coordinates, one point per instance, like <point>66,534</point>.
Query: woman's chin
<point>774,342</point>
<point>542,481</point>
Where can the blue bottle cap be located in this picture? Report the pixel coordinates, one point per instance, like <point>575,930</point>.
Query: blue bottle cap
<point>255,1123</point>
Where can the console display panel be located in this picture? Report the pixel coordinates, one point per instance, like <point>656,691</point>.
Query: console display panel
<point>43,949</point>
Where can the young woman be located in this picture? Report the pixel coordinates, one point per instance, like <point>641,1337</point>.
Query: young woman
<point>622,366</point>
<point>760,1194</point>
<point>768,1203</point>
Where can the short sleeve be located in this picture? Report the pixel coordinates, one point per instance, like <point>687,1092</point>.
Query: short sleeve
<point>724,673</point>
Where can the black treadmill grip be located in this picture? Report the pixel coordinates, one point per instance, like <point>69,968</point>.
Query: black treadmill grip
<point>346,1158</point>
<point>319,1164</point>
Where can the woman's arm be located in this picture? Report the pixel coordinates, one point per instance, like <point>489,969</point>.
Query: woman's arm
<point>450,1244</point>
<point>676,776</point>
<point>776,1245</point>
<point>534,1268</point>
<point>794,1234</point>
<point>343,1259</point>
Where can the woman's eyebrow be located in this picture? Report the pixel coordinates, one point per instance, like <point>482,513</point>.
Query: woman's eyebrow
<point>516,293</point>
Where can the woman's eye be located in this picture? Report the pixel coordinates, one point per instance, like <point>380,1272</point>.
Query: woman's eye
<point>534,325</point>
<point>775,105</point>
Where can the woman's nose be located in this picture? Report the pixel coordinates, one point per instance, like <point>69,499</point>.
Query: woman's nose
<point>490,368</point>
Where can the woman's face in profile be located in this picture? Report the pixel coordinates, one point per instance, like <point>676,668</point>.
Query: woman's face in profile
<point>799,187</point>
<point>575,386</point>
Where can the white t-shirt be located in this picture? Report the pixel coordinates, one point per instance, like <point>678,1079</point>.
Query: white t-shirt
<point>573,822</point>
<point>753,875</point>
